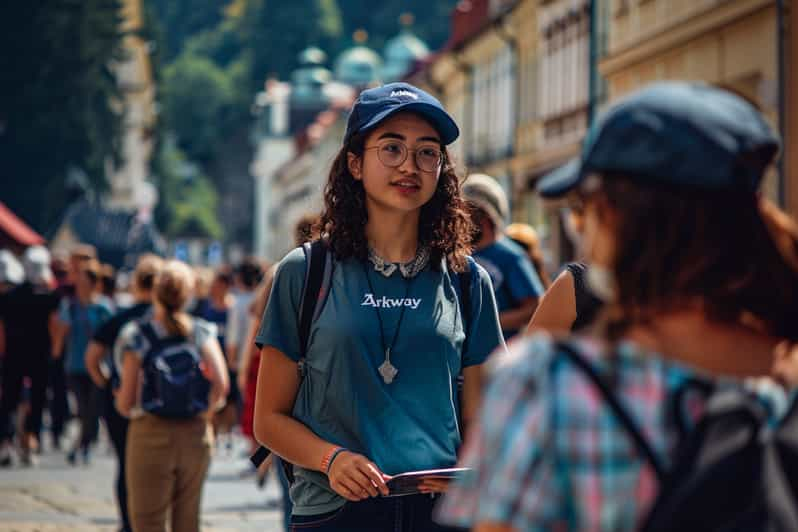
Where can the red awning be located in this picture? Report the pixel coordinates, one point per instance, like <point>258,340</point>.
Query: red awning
<point>16,229</point>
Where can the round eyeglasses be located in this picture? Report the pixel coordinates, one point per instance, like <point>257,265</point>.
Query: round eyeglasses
<point>393,153</point>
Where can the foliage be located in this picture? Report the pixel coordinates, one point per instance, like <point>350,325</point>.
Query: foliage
<point>188,198</point>
<point>275,35</point>
<point>182,19</point>
<point>198,97</point>
<point>58,101</point>
<point>380,19</point>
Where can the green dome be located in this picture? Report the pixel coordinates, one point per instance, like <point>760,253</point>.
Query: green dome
<point>311,76</point>
<point>401,53</point>
<point>358,66</point>
<point>309,79</point>
<point>312,56</point>
<point>405,47</point>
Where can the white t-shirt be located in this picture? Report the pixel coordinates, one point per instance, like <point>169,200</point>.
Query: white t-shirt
<point>238,324</point>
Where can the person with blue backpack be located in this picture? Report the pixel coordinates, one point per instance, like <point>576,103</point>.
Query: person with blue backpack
<point>359,373</point>
<point>664,417</point>
<point>100,363</point>
<point>173,378</point>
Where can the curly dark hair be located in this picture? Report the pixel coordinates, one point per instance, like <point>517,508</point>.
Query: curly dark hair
<point>444,226</point>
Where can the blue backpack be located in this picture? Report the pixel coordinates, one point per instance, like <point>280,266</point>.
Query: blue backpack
<point>174,386</point>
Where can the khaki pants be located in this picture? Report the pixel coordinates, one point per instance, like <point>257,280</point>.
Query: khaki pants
<point>166,463</point>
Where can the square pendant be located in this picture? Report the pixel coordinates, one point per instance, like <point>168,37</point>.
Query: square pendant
<point>388,372</point>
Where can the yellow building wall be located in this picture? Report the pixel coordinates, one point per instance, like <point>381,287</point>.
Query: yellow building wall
<point>728,43</point>
<point>524,22</point>
<point>450,78</point>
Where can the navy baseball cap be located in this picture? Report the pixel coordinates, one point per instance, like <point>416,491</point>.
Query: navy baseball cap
<point>677,133</point>
<point>375,105</point>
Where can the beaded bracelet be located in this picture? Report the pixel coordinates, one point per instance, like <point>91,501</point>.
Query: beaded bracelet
<point>331,455</point>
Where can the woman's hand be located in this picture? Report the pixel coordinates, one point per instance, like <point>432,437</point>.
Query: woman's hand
<point>354,477</point>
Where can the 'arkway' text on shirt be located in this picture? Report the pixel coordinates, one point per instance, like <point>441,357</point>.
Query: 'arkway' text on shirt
<point>389,302</point>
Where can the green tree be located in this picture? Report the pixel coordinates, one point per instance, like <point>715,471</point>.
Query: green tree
<point>58,101</point>
<point>381,19</point>
<point>276,33</point>
<point>184,18</point>
<point>198,99</point>
<point>188,199</point>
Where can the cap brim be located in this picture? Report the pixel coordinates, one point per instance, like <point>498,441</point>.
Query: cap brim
<point>440,119</point>
<point>562,180</point>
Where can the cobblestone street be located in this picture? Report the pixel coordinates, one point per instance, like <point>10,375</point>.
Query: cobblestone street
<point>57,497</point>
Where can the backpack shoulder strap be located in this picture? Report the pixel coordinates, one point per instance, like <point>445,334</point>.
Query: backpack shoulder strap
<point>318,272</point>
<point>318,275</point>
<point>465,280</point>
<point>615,405</point>
<point>148,332</point>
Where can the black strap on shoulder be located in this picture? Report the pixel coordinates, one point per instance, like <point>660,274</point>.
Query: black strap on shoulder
<point>465,301</point>
<point>316,255</point>
<point>620,412</point>
<point>464,283</point>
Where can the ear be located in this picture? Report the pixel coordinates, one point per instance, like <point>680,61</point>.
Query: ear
<point>354,164</point>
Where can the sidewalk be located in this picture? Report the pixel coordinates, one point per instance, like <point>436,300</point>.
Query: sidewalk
<point>56,497</point>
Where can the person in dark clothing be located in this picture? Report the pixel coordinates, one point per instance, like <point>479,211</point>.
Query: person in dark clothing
<point>215,309</point>
<point>570,303</point>
<point>26,313</point>
<point>104,373</point>
<point>516,284</point>
<point>64,271</point>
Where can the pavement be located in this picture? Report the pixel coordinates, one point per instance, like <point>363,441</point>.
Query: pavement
<point>56,497</point>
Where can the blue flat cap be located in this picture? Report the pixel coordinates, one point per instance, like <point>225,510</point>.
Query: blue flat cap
<point>678,133</point>
<point>375,105</point>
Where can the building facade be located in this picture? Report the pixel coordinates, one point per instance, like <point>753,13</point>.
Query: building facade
<point>731,44</point>
<point>554,87</point>
<point>129,188</point>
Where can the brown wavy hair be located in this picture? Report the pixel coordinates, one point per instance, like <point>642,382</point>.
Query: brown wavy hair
<point>444,226</point>
<point>732,252</point>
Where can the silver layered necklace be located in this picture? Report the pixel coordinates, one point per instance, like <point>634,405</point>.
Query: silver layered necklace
<point>408,269</point>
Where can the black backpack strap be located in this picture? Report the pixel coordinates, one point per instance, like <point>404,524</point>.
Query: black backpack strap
<point>316,261</point>
<point>618,409</point>
<point>464,284</point>
<point>465,279</point>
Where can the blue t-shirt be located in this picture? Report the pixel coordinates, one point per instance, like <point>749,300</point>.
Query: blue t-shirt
<point>83,321</point>
<point>217,316</point>
<point>407,425</point>
<point>514,278</point>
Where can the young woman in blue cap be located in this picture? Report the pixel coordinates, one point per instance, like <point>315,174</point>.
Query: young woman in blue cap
<point>700,280</point>
<point>379,394</point>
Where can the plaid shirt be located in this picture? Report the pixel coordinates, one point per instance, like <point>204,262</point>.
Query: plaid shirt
<point>549,454</point>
